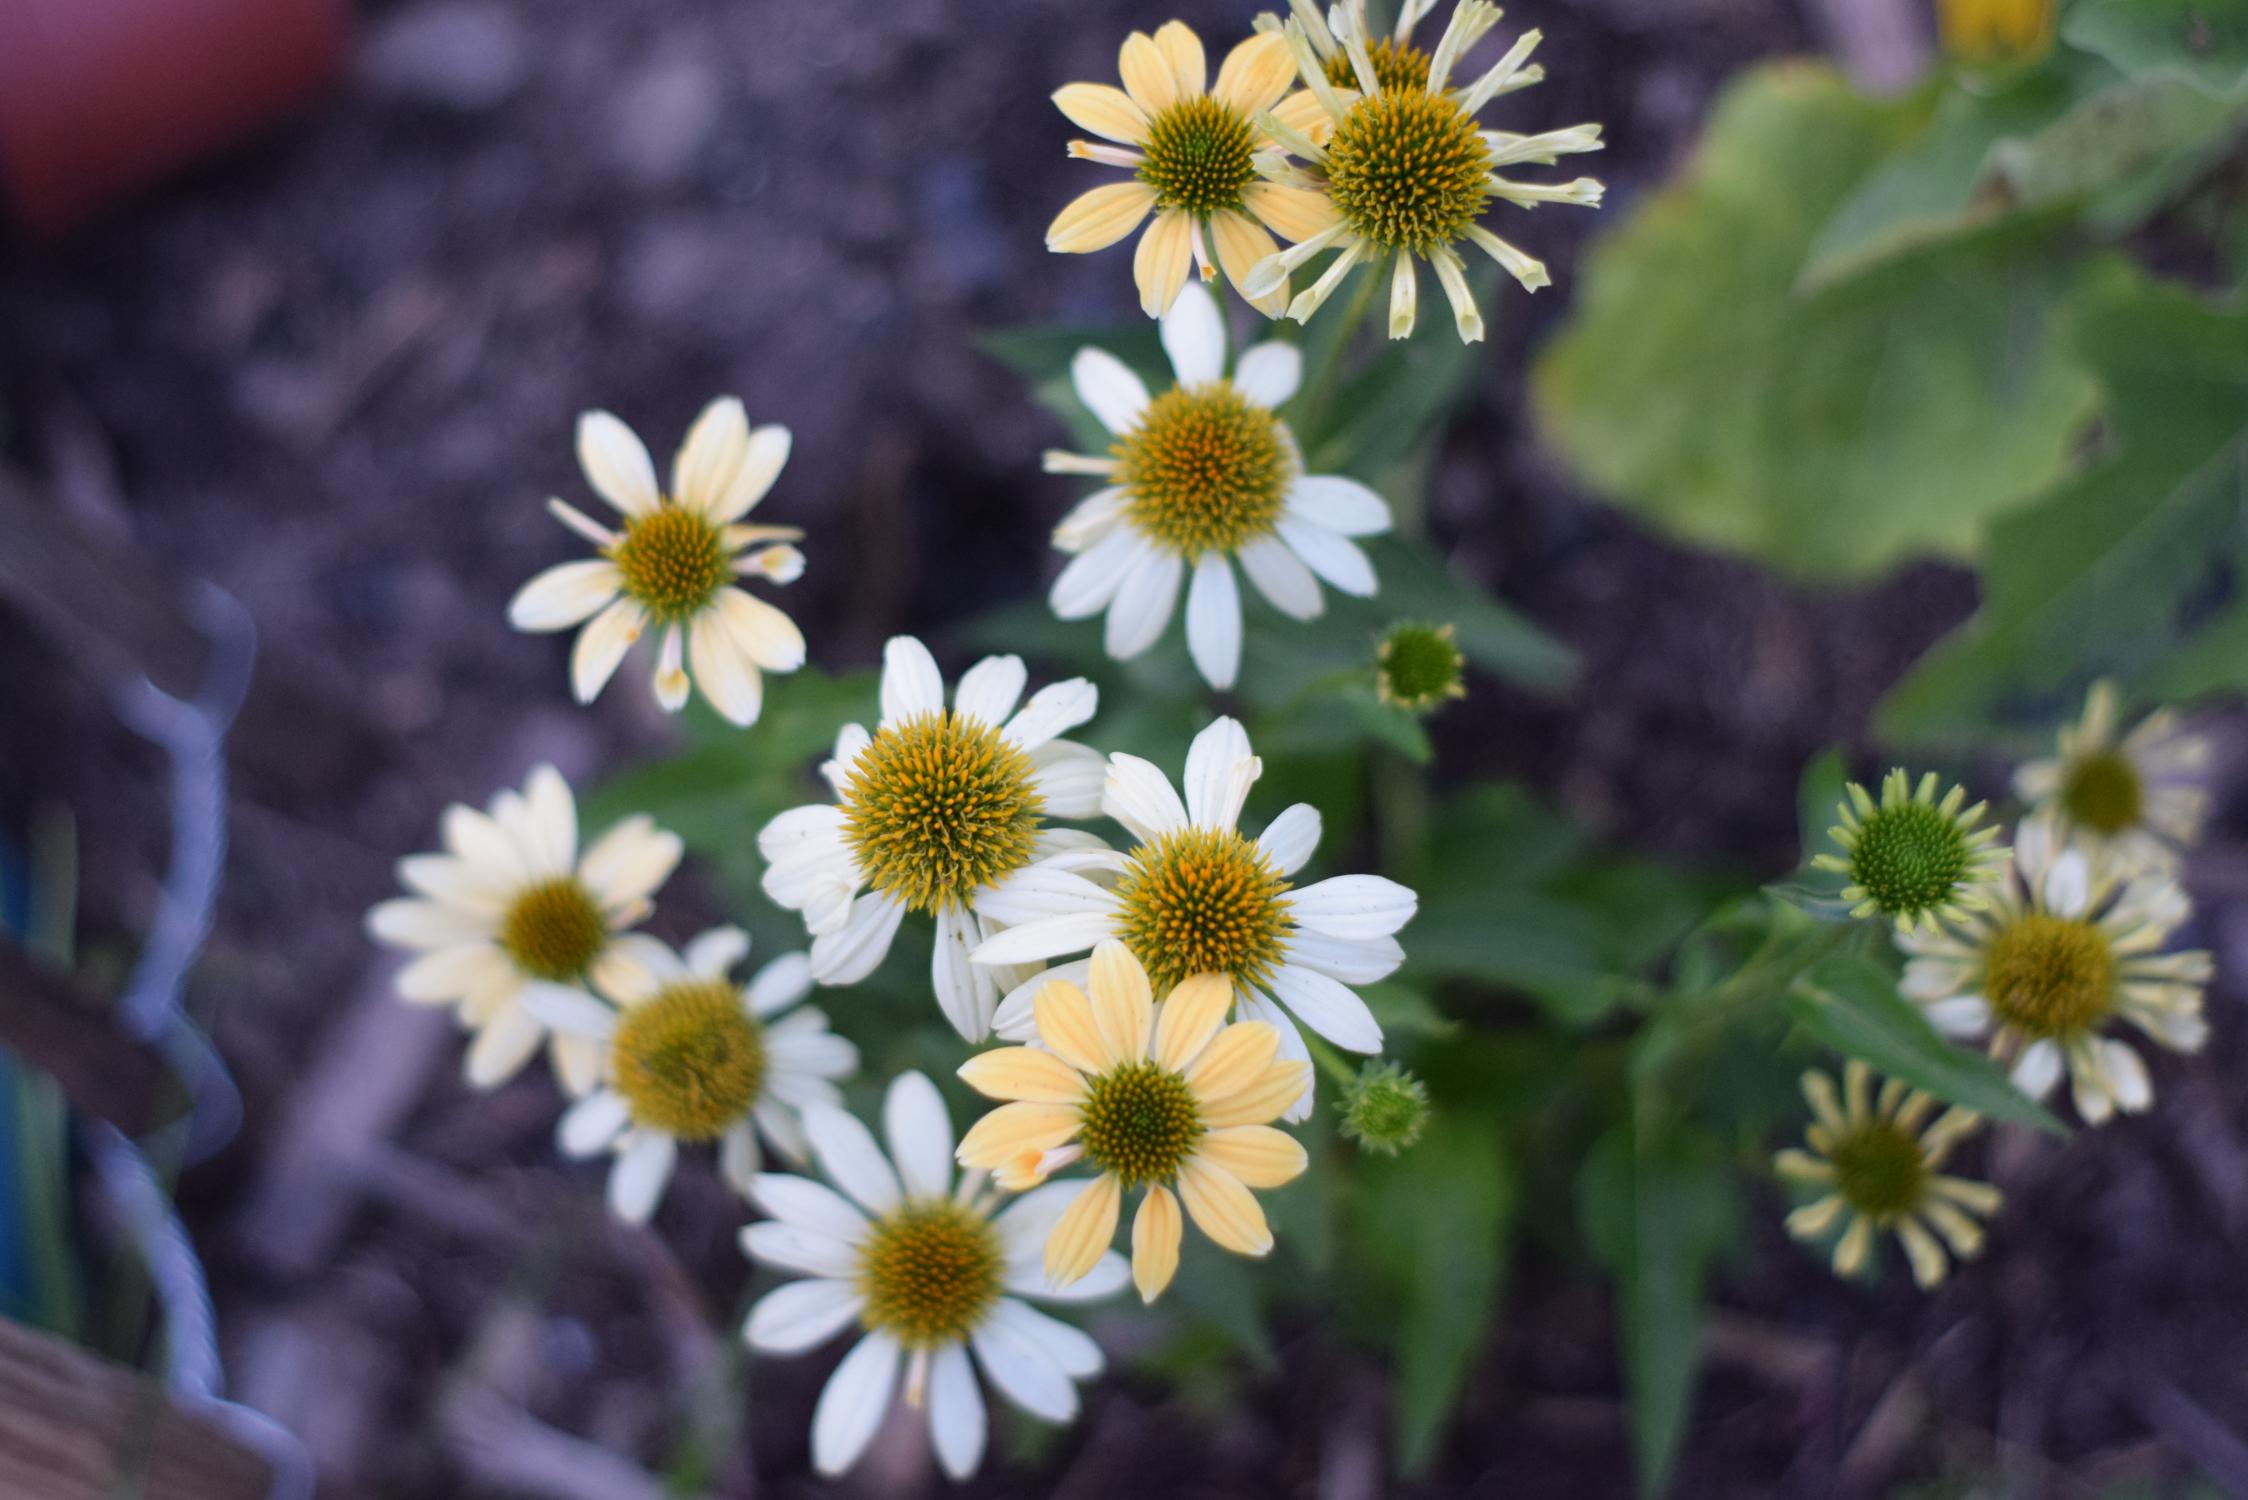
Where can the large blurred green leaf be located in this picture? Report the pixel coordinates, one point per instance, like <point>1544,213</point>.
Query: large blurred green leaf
<point>2204,41</point>
<point>1830,433</point>
<point>2131,569</point>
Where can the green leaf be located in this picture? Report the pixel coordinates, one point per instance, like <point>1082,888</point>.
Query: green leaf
<point>2202,41</point>
<point>2130,569</point>
<point>1852,1005</point>
<point>1830,433</point>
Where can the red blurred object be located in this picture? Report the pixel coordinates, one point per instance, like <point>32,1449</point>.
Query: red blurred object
<point>99,98</point>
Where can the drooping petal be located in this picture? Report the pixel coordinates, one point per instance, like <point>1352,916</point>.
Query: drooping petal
<point>1223,1208</point>
<point>1280,575</point>
<point>1160,265</point>
<point>601,646</point>
<point>1156,1232</point>
<point>956,1412</point>
<point>853,1404</point>
<point>1083,1232</point>
<point>1213,621</point>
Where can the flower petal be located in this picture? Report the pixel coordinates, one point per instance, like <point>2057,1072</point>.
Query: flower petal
<point>1097,219</point>
<point>1213,621</point>
<point>991,689</point>
<point>1141,797</point>
<point>704,468</point>
<point>1270,373</point>
<point>1109,389</point>
<point>1220,770</point>
<point>602,645</point>
<point>565,595</point>
<point>1083,1232</point>
<point>1340,505</point>
<point>1353,906</point>
<point>854,950</point>
<point>801,1315</point>
<point>1223,1208</point>
<point>1156,1232</point>
<point>919,1130</point>
<point>911,684</point>
<point>638,1179</point>
<point>855,1401</point>
<point>1327,1007</point>
<point>1123,1002</point>
<point>1104,110</point>
<point>1331,555</point>
<point>1260,1156</point>
<point>1280,575</point>
<point>846,1152</point>
<point>1025,1074</point>
<point>956,1412</point>
<point>1160,265</point>
<point>1193,336</point>
<point>616,464</point>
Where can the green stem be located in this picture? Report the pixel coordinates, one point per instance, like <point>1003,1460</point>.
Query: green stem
<point>1322,390</point>
<point>1330,1061</point>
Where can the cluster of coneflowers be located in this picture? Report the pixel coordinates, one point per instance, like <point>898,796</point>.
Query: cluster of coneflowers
<point>2053,953</point>
<point>1152,990</point>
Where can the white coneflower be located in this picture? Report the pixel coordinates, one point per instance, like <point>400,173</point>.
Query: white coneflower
<point>675,564</point>
<point>2064,951</point>
<point>1399,157</point>
<point>1199,478</point>
<point>690,1056</point>
<point>1877,1167</point>
<point>1191,151</point>
<point>2134,800</point>
<point>932,810</point>
<point>1197,896</point>
<point>1167,1099</point>
<point>930,1274</point>
<point>511,909</point>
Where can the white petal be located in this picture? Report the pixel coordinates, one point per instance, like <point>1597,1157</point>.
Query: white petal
<point>637,1181</point>
<point>801,1315</point>
<point>601,645</point>
<point>625,865</point>
<point>2068,885</point>
<point>1070,1349</point>
<point>715,952</point>
<point>767,636</point>
<point>1281,577</point>
<point>1050,938</point>
<point>1053,710</point>
<point>1040,891</point>
<point>426,924</point>
<point>965,993</point>
<point>1213,621</point>
<point>1340,505</point>
<point>813,1207</point>
<point>919,1130</point>
<point>780,984</point>
<point>1331,555</point>
<point>1143,605</point>
<point>1194,336</point>
<point>1110,1275</point>
<point>729,680</point>
<point>1291,839</point>
<point>854,950</point>
<point>911,683</point>
<point>1141,797</point>
<point>1069,779</point>
<point>738,1157</point>
<point>1328,1008</point>
<point>565,595</point>
<point>703,469</point>
<point>590,1125</point>
<point>956,1412</point>
<point>1220,769</point>
<point>850,743</point>
<point>991,689</point>
<point>1108,388</point>
<point>2038,1069</point>
<point>1023,1373</point>
<point>1351,960</point>
<point>1961,1015</point>
<point>2126,1077</point>
<point>762,463</point>
<point>450,973</point>
<point>568,1009</point>
<point>1089,584</point>
<point>1269,373</point>
<point>854,1403</point>
<point>1253,1006</point>
<point>792,1249</point>
<point>672,682</point>
<point>1353,906</point>
<point>1014,1020</point>
<point>616,464</point>
<point>1091,519</point>
<point>847,1154</point>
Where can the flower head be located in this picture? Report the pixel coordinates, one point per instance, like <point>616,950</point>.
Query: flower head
<point>1195,895</point>
<point>2065,950</point>
<point>689,1056</point>
<point>2133,799</point>
<point>1983,31</point>
<point>1163,1098</point>
<point>1911,858</point>
<point>1198,478</point>
<point>1877,1166</point>
<point>1419,667</point>
<point>1396,152</point>
<point>933,810</point>
<point>928,1272</point>
<point>1191,150</point>
<point>512,911</point>
<point>674,565</point>
<point>1384,1109</point>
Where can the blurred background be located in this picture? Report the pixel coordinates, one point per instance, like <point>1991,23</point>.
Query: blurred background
<point>331,365</point>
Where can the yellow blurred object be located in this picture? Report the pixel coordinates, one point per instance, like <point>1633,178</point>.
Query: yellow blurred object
<point>1997,30</point>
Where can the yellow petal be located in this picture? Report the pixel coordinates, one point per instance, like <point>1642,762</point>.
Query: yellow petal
<point>1103,109</point>
<point>1256,73</point>
<point>1303,113</point>
<point>1013,1130</point>
<point>1155,1243</point>
<point>1083,1231</point>
<point>1189,1017</point>
<point>1223,1209</point>
<point>1259,1155</point>
<point>1182,49</point>
<point>1242,242</point>
<point>1123,1004</point>
<point>1065,1023</point>
<point>1147,73</point>
<point>1160,265</point>
<point>1235,1059</point>
<point>1292,213</point>
<point>1098,219</point>
<point>1281,1085</point>
<point>1023,1073</point>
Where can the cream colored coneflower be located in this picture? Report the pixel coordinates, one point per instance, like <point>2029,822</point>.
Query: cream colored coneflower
<point>2133,800</point>
<point>1191,153</point>
<point>1877,1167</point>
<point>1199,478</point>
<point>932,811</point>
<point>2065,951</point>
<point>1911,857</point>
<point>1195,895</point>
<point>1400,159</point>
<point>511,910</point>
<point>1167,1099</point>
<point>931,1273</point>
<point>689,1056</point>
<point>675,564</point>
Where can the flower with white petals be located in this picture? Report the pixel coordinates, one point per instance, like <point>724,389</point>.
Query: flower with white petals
<point>1398,155</point>
<point>1201,477</point>
<point>2065,949</point>
<point>930,1274</point>
<point>1877,1166</point>
<point>688,1056</point>
<point>674,565</point>
<point>1197,896</point>
<point>933,810</point>
<point>1191,150</point>
<point>1167,1098</point>
<point>2133,799</point>
<point>511,910</point>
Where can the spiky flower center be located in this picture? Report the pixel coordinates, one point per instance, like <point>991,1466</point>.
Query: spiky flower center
<point>2048,976</point>
<point>1408,170</point>
<point>1203,901</point>
<point>554,930</point>
<point>929,1272</point>
<point>1198,157</point>
<point>1878,1170</point>
<point>1420,666</point>
<point>1139,1122</point>
<point>690,1061</point>
<point>1384,1108</point>
<point>938,805</point>
<point>1909,858</point>
<point>1206,469</point>
<point>1397,65</point>
<point>673,561</point>
<point>2103,792</point>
